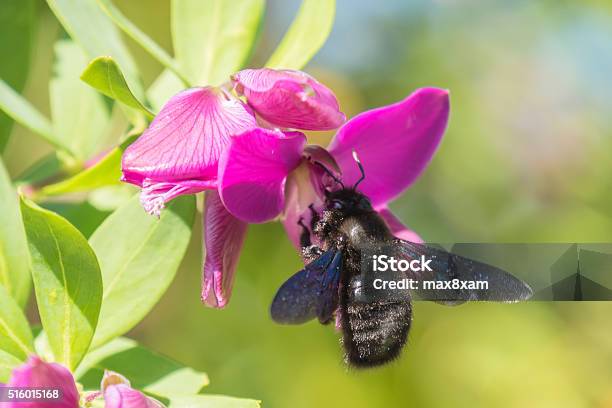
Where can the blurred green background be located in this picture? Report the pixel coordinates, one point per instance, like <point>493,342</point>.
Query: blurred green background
<point>527,158</point>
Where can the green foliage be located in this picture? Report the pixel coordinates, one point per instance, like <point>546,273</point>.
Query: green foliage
<point>212,401</point>
<point>139,256</point>
<point>166,85</point>
<point>305,36</point>
<point>67,282</point>
<point>7,363</point>
<point>15,335</point>
<point>141,38</point>
<point>17,27</point>
<point>18,108</point>
<point>40,171</point>
<point>93,30</point>
<point>147,371</point>
<point>105,172</point>
<point>212,39</point>
<point>82,134</point>
<point>14,258</point>
<point>104,74</point>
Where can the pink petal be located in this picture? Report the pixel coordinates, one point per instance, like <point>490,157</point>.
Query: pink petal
<point>155,195</point>
<point>122,396</point>
<point>36,373</point>
<point>112,378</point>
<point>394,143</point>
<point>186,138</point>
<point>397,228</point>
<point>299,194</point>
<point>253,170</point>
<point>305,186</point>
<point>223,237</point>
<point>289,99</point>
<point>318,154</point>
<point>322,167</point>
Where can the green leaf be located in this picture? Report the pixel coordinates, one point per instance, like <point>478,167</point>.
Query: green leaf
<point>89,26</point>
<point>146,370</point>
<point>7,363</point>
<point>212,401</point>
<point>163,88</point>
<point>14,257</point>
<point>15,334</point>
<point>139,256</point>
<point>81,214</point>
<point>106,172</point>
<point>94,357</point>
<point>44,168</point>
<point>104,74</point>
<point>109,198</point>
<point>141,38</point>
<point>79,114</point>
<point>18,108</point>
<point>67,282</point>
<point>17,27</point>
<point>212,39</point>
<point>306,36</point>
<point>42,348</point>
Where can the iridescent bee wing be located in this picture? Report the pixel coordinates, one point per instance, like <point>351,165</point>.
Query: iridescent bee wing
<point>310,293</point>
<point>448,267</point>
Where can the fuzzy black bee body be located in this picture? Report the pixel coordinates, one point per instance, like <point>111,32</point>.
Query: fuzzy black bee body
<point>375,332</point>
<point>335,280</point>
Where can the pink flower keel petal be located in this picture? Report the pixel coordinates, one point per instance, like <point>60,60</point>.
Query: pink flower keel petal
<point>223,238</point>
<point>299,195</point>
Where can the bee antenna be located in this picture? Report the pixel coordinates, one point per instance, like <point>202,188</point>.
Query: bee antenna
<point>329,173</point>
<point>361,169</point>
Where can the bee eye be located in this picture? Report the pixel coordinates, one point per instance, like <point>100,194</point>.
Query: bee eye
<point>364,204</point>
<point>338,205</point>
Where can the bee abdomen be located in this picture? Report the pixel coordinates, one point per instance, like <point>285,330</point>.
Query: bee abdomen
<point>374,333</point>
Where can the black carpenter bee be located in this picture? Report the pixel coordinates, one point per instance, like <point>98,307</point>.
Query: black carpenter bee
<point>338,280</point>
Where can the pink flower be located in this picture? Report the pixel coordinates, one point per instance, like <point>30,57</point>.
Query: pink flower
<point>119,394</point>
<point>257,169</point>
<point>394,143</point>
<point>36,373</point>
<point>181,150</point>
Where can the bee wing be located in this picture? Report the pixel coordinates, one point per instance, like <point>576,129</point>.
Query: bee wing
<point>310,293</point>
<point>501,285</point>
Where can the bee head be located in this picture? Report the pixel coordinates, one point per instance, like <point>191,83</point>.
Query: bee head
<point>347,200</point>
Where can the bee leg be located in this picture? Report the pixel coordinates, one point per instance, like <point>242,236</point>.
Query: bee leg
<point>326,225</point>
<point>309,251</point>
<point>305,240</point>
<point>314,217</point>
